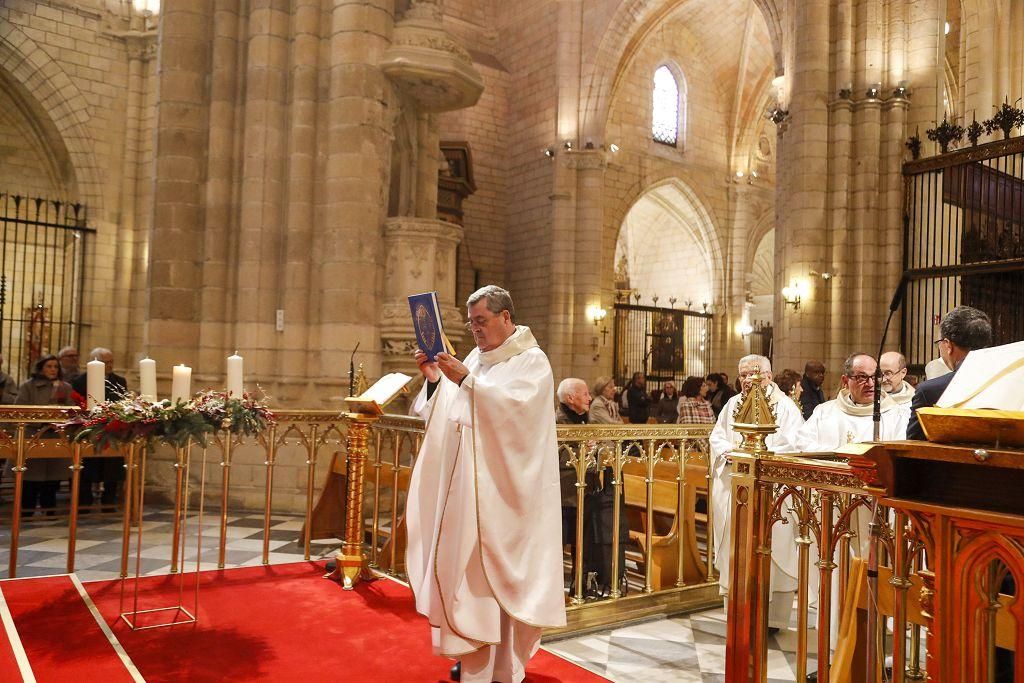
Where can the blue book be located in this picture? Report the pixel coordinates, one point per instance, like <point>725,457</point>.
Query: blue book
<point>426,320</point>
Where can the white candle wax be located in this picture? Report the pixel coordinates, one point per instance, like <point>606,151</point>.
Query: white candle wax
<point>181,384</point>
<point>95,376</point>
<point>234,384</point>
<point>147,379</point>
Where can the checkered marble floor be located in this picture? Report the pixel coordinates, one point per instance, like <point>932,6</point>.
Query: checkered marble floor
<point>684,649</point>
<point>42,547</point>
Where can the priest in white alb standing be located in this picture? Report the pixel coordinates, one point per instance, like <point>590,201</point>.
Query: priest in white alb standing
<point>484,550</point>
<point>724,438</point>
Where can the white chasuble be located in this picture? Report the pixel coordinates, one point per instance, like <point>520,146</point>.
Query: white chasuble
<point>483,512</point>
<point>725,439</point>
<point>839,422</point>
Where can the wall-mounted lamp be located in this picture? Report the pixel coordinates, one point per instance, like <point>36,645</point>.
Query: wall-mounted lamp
<point>793,294</point>
<point>549,153</point>
<point>873,91</point>
<point>568,145</point>
<point>777,115</point>
<point>613,147</point>
<point>846,92</point>
<point>744,328</point>
<point>596,315</point>
<point>901,89</point>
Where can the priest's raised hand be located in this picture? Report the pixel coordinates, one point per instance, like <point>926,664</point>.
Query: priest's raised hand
<point>452,367</point>
<point>427,366</point>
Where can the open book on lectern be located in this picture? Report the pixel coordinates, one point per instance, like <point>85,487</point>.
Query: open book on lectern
<point>375,399</point>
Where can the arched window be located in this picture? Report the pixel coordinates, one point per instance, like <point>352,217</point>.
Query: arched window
<point>665,122</point>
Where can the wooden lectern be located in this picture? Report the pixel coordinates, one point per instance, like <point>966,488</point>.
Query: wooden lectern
<point>964,505</point>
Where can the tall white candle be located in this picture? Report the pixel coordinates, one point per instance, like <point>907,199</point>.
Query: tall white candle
<point>181,384</point>
<point>95,376</point>
<point>147,379</point>
<point>234,385</point>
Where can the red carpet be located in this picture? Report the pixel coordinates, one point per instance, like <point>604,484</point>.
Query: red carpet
<point>286,623</point>
<point>62,640</point>
<point>8,664</point>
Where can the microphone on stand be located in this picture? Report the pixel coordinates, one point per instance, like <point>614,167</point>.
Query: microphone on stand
<point>352,372</point>
<point>894,305</point>
<point>871,670</point>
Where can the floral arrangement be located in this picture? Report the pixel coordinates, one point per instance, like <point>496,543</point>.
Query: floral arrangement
<point>121,421</point>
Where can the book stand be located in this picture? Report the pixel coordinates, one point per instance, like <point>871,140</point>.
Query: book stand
<point>136,463</point>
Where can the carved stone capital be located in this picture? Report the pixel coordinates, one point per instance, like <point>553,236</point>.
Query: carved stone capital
<point>586,160</point>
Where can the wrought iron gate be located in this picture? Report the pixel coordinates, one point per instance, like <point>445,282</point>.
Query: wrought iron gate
<point>42,271</point>
<point>964,243</point>
<point>663,343</point>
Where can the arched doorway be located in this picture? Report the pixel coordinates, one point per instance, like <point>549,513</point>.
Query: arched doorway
<point>667,265</point>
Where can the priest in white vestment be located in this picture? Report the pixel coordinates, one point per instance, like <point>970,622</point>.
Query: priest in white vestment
<point>845,420</point>
<point>484,553</point>
<point>724,440</point>
<point>894,375</point>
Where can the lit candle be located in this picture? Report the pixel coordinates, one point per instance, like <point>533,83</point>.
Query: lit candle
<point>95,375</point>
<point>234,385</point>
<point>181,384</point>
<point>147,379</point>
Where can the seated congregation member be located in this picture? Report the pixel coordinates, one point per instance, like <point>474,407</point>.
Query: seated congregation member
<point>894,378</point>
<point>962,330</point>
<point>573,406</point>
<point>603,408</point>
<point>483,557</point>
<point>848,418</point>
<point>638,400</point>
<point>110,470</point>
<point>811,394</point>
<point>8,386</point>
<point>666,410</point>
<point>42,477</point>
<point>724,439</point>
<point>693,408</point>
<point>718,391</point>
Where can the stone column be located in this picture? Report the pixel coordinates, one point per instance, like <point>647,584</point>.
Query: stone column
<point>587,362</point>
<point>176,245</point>
<point>358,148</point>
<point>926,48</point>
<point>800,236</point>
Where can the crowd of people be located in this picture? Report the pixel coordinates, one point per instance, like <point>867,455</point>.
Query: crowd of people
<point>58,380</point>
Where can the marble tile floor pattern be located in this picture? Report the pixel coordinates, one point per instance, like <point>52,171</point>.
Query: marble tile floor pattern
<point>42,547</point>
<point>682,648</point>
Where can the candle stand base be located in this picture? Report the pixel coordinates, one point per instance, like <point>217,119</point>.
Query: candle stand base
<point>144,619</point>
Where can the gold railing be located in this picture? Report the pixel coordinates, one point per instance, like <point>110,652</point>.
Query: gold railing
<point>649,480</point>
<point>29,435</point>
<point>647,511</point>
<point>904,589</point>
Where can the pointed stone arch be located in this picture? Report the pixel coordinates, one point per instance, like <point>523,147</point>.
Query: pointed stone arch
<point>56,96</point>
<point>679,202</point>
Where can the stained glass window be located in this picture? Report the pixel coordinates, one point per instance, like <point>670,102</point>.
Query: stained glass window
<point>665,125</point>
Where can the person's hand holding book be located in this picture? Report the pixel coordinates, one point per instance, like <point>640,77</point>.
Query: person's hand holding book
<point>428,368</point>
<point>452,367</point>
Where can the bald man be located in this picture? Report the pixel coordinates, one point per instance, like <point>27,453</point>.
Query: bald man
<point>894,374</point>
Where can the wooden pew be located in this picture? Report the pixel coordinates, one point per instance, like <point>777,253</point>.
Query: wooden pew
<point>666,527</point>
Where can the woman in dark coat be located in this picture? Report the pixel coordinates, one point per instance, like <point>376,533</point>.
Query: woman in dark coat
<point>43,475</point>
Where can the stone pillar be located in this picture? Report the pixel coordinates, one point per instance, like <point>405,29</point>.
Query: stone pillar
<point>800,236</point>
<point>926,48</point>
<point>176,244</point>
<point>420,258</point>
<point>591,354</point>
<point>349,247</point>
